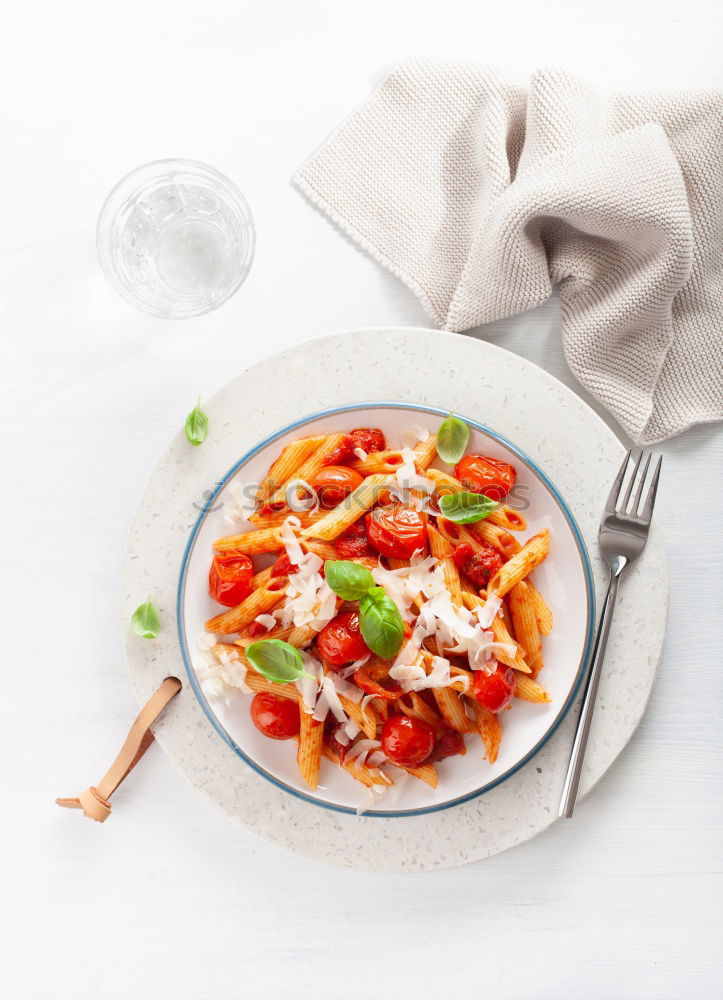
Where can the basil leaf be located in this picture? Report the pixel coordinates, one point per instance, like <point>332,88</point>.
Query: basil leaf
<point>348,580</point>
<point>452,438</point>
<point>196,425</point>
<point>465,508</point>
<point>277,660</point>
<point>145,621</point>
<point>380,623</point>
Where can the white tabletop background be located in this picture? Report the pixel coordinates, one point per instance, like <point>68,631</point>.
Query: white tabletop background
<point>169,898</point>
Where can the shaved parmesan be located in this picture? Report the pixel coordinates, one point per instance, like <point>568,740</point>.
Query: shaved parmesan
<point>361,747</point>
<point>328,701</point>
<point>487,612</point>
<point>239,502</point>
<point>308,686</point>
<point>361,454</point>
<point>268,621</point>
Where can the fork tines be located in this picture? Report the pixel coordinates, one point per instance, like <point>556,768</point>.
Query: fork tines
<point>612,505</point>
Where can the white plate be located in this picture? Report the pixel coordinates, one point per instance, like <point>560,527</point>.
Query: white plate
<point>565,579</point>
<point>548,421</point>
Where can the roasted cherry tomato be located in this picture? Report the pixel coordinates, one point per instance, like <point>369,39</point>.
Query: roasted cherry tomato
<point>373,678</point>
<point>449,743</point>
<point>368,439</point>
<point>277,718</point>
<point>334,482</point>
<point>340,641</point>
<point>496,690</point>
<point>407,741</point>
<point>396,531</point>
<point>229,580</point>
<point>283,566</point>
<point>354,542</point>
<point>461,554</point>
<point>482,566</point>
<point>486,475</point>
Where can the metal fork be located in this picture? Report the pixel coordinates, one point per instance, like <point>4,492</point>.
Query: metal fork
<point>622,536</point>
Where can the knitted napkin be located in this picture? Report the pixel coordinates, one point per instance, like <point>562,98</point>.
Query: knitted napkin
<point>481,195</point>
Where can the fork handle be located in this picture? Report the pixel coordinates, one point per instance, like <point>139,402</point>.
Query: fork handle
<point>577,757</point>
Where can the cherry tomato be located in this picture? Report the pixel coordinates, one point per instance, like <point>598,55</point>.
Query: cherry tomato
<point>449,744</point>
<point>334,482</point>
<point>373,678</point>
<point>283,566</point>
<point>407,741</point>
<point>396,531</point>
<point>340,641</point>
<point>368,439</point>
<point>482,566</point>
<point>461,554</point>
<point>354,542</point>
<point>486,475</point>
<point>342,453</point>
<point>277,718</point>
<point>496,690</point>
<point>229,580</point>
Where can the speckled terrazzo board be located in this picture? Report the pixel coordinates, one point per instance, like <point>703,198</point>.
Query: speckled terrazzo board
<point>517,399</point>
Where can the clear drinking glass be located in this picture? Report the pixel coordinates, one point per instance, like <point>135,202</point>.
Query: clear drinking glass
<point>175,238</point>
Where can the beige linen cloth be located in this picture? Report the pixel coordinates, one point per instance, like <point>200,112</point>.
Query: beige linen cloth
<point>481,195</point>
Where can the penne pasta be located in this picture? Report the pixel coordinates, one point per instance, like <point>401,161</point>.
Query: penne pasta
<point>355,505</point>
<point>378,462</point>
<point>425,772</point>
<point>490,729</point>
<point>276,518</point>
<point>425,453</point>
<point>250,543</point>
<point>311,743</point>
<point>524,620</point>
<point>452,708</point>
<point>528,689</point>
<point>542,611</point>
<point>259,602</point>
<point>245,637</point>
<point>260,684</point>
<point>521,565</point>
<point>311,465</point>
<point>507,517</point>
<point>415,707</point>
<point>442,551</point>
<point>289,462</point>
<point>499,538</point>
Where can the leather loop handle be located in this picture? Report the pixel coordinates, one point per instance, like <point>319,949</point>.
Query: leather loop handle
<point>95,801</point>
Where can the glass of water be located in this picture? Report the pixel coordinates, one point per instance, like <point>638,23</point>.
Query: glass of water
<point>175,238</point>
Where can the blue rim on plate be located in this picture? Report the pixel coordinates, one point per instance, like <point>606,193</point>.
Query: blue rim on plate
<point>420,408</point>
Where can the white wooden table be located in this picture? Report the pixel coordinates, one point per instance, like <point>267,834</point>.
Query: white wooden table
<point>169,899</point>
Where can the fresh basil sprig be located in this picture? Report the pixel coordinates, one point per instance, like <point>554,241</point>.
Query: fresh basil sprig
<point>277,660</point>
<point>196,425</point>
<point>347,579</point>
<point>381,623</point>
<point>466,508</point>
<point>452,438</point>
<point>145,621</point>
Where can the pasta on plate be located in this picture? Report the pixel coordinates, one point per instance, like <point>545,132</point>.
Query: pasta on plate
<point>378,610</point>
